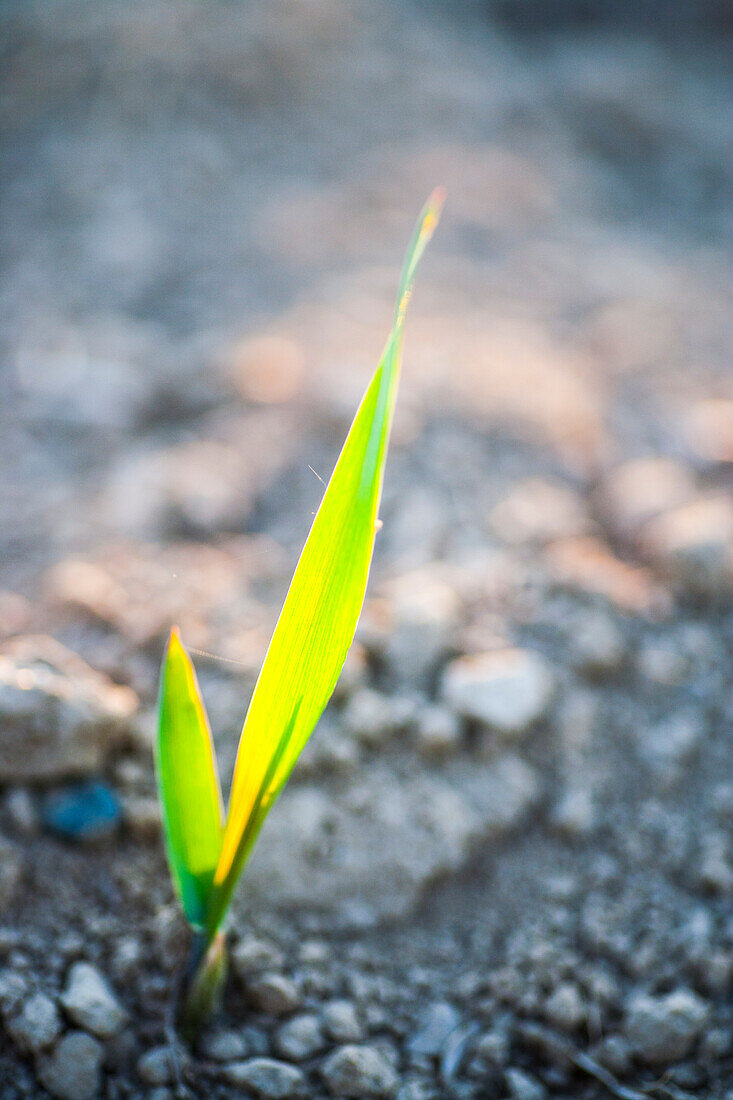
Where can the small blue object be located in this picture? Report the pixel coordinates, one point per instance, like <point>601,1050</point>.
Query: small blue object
<point>86,811</point>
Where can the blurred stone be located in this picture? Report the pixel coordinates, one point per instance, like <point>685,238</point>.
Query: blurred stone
<point>597,644</point>
<point>377,827</point>
<point>693,546</point>
<point>37,1026</point>
<point>204,484</point>
<point>341,1022</point>
<point>372,717</point>
<point>537,512</point>
<point>524,1087</point>
<point>668,745</point>
<point>359,1071</point>
<point>664,1029</point>
<point>59,716</point>
<point>73,1070</point>
<point>224,1045</point>
<point>438,1022</point>
<point>252,955</point>
<point>274,994</point>
<point>90,1003</point>
<point>300,1037</point>
<point>22,812</point>
<point>84,812</point>
<point>508,690</point>
<point>267,369</point>
<point>155,1067</point>
<point>638,490</point>
<point>141,815</point>
<point>575,815</point>
<point>423,609</point>
<point>588,565</point>
<point>267,1077</point>
<point>439,732</point>
<point>565,1008</point>
<point>709,430</point>
<point>15,614</point>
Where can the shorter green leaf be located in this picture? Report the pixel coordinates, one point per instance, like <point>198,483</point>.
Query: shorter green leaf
<point>188,782</point>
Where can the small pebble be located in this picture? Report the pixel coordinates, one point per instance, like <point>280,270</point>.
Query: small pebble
<point>300,1037</point>
<point>341,1022</point>
<point>664,1029</point>
<point>274,994</point>
<point>37,1026</point>
<point>86,811</point>
<point>252,955</point>
<point>73,1070</point>
<point>359,1071</point>
<point>267,1077</point>
<point>89,1002</point>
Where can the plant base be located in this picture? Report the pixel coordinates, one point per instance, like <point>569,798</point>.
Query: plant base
<point>203,985</point>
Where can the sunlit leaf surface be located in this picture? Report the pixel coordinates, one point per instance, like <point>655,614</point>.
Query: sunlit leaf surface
<point>188,783</point>
<point>319,617</point>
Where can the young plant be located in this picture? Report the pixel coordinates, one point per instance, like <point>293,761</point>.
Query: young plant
<point>206,850</point>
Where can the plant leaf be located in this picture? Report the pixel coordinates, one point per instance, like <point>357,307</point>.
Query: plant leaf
<point>318,620</point>
<point>188,782</point>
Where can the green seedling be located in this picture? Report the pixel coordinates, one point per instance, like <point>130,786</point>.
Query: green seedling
<point>207,850</point>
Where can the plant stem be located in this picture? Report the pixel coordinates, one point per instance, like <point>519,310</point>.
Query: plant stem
<point>203,984</point>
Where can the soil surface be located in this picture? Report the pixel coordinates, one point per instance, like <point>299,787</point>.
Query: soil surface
<point>503,869</point>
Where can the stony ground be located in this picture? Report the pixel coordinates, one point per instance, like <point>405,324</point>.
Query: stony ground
<point>504,866</point>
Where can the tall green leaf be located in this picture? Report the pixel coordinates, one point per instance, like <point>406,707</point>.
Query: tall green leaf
<point>188,782</point>
<point>320,613</point>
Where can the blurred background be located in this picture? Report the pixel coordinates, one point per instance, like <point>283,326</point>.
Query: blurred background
<point>508,845</point>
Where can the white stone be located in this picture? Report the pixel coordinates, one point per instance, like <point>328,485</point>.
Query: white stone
<point>663,1030</point>
<point>508,689</point>
<point>37,1026</point>
<point>88,1001</point>
<point>359,1071</point>
<point>73,1070</point>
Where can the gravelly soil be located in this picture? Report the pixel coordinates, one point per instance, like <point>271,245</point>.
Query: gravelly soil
<point>503,868</point>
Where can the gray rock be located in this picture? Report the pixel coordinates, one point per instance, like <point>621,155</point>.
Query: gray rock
<point>89,1002</point>
<point>252,955</point>
<point>565,1007</point>
<point>637,491</point>
<point>537,512</point>
<point>154,1067</point>
<point>438,731</point>
<point>13,992</point>
<point>508,689</point>
<point>225,1046</point>
<point>22,811</point>
<point>341,1022</point>
<point>373,718</point>
<point>267,1077</point>
<point>359,1071</point>
<point>422,611</point>
<point>383,827</point>
<point>664,1029</point>
<point>274,994</point>
<point>300,1037</point>
<point>59,716</point>
<point>597,644</point>
<point>668,745</point>
<point>493,1047</point>
<point>73,1070</point>
<point>37,1026</point>
<point>693,546</point>
<point>438,1022</point>
<point>575,815</point>
<point>523,1087</point>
